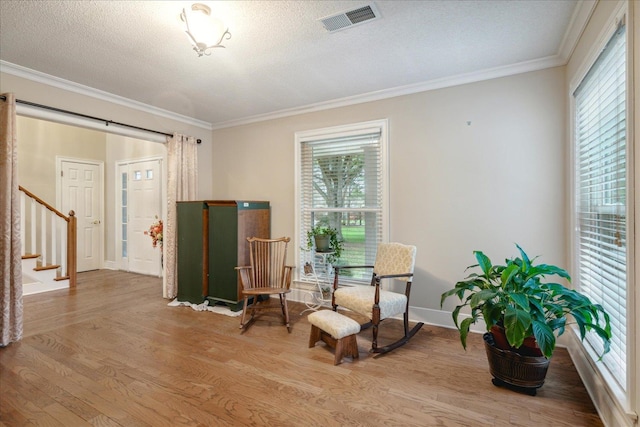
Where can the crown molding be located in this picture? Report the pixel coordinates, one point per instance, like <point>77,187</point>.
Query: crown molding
<point>460,79</point>
<point>39,77</point>
<point>579,19</point>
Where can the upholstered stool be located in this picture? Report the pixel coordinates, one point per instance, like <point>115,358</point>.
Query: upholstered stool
<point>338,331</point>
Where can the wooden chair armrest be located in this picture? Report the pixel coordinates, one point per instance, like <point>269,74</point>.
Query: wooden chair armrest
<point>394,276</point>
<point>288,269</point>
<point>337,268</point>
<point>343,267</point>
<point>377,279</point>
<point>245,276</point>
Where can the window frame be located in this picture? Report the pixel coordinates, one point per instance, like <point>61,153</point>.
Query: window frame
<point>334,132</point>
<point>620,16</point>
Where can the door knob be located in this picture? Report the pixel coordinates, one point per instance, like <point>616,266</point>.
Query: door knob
<point>96,221</point>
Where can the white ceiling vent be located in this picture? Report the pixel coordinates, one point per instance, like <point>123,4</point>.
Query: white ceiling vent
<point>350,18</point>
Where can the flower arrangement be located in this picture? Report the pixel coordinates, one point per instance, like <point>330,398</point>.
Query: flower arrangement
<point>155,231</point>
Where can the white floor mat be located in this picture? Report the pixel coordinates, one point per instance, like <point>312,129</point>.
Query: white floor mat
<point>205,307</point>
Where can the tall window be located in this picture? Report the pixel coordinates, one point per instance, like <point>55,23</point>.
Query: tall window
<point>601,194</point>
<point>342,184</point>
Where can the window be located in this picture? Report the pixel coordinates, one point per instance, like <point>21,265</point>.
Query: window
<point>601,196</point>
<point>342,184</point>
<point>125,214</point>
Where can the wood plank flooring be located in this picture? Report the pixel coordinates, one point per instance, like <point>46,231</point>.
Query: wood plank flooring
<point>112,353</point>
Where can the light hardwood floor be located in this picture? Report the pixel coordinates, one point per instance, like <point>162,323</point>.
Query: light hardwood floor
<point>112,353</point>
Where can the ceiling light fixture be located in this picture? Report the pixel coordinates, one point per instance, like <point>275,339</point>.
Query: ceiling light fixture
<point>204,31</point>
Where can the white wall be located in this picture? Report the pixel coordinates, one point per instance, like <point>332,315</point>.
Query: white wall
<point>455,187</point>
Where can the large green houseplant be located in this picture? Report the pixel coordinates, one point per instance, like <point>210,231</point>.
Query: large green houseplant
<point>514,296</point>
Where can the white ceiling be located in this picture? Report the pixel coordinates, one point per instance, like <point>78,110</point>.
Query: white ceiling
<point>280,60</point>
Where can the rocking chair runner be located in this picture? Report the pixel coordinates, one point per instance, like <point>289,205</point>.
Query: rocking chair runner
<point>267,275</point>
<point>393,261</point>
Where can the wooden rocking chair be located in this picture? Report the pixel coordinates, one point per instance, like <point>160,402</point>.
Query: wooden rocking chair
<point>267,275</point>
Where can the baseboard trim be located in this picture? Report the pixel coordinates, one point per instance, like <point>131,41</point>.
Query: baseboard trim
<point>109,265</point>
<point>416,314</point>
<point>604,398</point>
<point>38,287</point>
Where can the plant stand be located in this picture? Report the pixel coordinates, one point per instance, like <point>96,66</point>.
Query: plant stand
<point>319,270</point>
<point>525,374</point>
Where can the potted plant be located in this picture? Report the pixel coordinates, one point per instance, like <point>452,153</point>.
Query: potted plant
<point>325,239</point>
<point>326,292</point>
<point>513,298</point>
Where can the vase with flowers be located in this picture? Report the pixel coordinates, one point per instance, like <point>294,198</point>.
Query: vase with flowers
<point>155,231</point>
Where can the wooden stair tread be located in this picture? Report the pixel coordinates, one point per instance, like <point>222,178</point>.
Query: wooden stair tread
<point>46,267</point>
<point>57,279</point>
<point>30,256</point>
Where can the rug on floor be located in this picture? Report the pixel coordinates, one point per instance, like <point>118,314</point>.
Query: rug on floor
<point>205,307</point>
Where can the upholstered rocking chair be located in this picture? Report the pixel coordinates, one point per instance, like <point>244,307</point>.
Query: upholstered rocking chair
<point>267,275</point>
<point>393,261</point>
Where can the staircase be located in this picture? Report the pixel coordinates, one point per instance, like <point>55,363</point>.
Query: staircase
<point>48,246</point>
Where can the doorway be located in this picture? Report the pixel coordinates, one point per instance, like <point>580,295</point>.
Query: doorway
<point>81,190</point>
<point>44,144</point>
<point>139,188</point>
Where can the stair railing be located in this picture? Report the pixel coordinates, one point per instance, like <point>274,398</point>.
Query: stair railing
<point>49,235</point>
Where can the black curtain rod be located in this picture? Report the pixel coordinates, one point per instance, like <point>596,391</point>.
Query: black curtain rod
<point>106,122</point>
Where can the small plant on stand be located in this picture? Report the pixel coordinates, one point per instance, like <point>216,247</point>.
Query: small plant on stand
<point>335,244</point>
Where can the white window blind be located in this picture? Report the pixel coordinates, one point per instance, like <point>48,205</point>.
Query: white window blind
<point>601,194</point>
<point>342,187</point>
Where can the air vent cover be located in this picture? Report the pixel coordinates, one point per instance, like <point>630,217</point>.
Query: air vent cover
<point>350,18</point>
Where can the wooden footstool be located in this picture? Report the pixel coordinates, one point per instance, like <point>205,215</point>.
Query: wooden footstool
<point>338,331</point>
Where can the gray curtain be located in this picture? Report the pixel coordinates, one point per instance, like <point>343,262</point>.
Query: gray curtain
<point>182,171</point>
<point>10,247</point>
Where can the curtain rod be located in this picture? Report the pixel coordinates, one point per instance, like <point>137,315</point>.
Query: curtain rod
<point>85,116</point>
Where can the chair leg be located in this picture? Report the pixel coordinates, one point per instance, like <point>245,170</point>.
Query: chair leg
<point>285,312</point>
<point>406,323</point>
<point>374,339</point>
<point>244,312</point>
<point>375,321</point>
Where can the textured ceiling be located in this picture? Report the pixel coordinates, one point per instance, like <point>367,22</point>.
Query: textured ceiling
<point>279,58</point>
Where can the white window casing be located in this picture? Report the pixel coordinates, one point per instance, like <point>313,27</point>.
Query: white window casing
<point>342,182</point>
<point>602,220</point>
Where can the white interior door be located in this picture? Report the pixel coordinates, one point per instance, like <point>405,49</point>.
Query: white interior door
<point>82,192</point>
<point>144,207</point>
